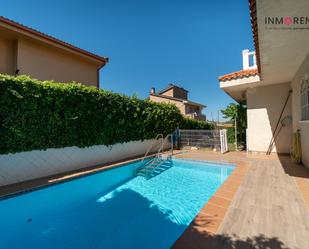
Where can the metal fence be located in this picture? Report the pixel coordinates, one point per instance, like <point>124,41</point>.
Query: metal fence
<point>203,139</point>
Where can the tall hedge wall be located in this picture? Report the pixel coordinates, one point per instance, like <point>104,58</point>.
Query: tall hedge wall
<point>188,123</point>
<point>41,115</point>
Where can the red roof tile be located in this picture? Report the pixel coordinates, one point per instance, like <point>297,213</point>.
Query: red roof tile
<point>239,74</point>
<point>254,25</point>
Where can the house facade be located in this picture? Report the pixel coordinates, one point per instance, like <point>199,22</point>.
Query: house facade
<point>274,80</point>
<point>27,51</point>
<point>179,96</point>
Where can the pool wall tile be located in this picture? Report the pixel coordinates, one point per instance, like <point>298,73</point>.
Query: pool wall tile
<point>208,221</point>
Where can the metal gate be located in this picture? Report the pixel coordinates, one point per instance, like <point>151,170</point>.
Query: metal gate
<point>203,139</point>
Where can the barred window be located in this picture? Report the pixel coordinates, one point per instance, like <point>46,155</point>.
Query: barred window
<point>304,96</point>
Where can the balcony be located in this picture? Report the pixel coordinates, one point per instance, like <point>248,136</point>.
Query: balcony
<point>236,83</point>
<point>196,116</point>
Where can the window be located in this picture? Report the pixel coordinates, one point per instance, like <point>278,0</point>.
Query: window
<point>304,96</point>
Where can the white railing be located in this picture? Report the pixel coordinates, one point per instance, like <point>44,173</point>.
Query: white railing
<point>248,59</point>
<point>223,141</point>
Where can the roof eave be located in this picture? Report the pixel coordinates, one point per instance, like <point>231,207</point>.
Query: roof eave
<point>171,86</point>
<point>254,25</point>
<point>194,103</point>
<point>179,100</point>
<point>26,30</point>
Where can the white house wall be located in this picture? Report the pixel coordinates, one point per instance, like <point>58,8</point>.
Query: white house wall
<point>264,105</point>
<point>25,166</point>
<point>303,126</point>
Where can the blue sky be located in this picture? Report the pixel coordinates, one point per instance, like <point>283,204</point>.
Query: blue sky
<point>150,43</point>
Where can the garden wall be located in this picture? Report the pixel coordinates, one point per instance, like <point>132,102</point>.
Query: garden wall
<point>29,165</point>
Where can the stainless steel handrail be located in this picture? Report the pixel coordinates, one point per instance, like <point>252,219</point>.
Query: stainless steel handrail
<point>149,164</point>
<point>151,145</point>
<point>163,143</point>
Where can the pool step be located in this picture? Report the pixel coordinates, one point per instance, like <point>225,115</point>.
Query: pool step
<point>154,167</point>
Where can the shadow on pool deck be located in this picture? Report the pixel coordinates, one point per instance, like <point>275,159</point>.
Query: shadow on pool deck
<point>293,169</point>
<point>196,239</point>
<point>268,211</point>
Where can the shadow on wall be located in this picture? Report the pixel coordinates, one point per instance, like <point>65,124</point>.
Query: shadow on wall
<point>193,239</point>
<point>266,104</point>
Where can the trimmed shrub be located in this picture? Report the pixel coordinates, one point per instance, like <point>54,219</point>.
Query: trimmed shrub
<point>188,123</point>
<point>43,114</point>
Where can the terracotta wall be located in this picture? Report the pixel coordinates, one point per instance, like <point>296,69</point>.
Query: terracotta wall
<point>7,56</point>
<point>48,63</point>
<point>180,105</point>
<point>176,93</point>
<point>170,93</point>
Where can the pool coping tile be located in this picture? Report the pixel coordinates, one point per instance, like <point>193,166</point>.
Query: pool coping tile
<point>208,221</point>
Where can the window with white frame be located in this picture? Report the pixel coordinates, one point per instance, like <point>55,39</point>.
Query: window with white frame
<point>304,98</point>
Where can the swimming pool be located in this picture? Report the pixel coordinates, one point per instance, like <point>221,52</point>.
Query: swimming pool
<point>112,209</point>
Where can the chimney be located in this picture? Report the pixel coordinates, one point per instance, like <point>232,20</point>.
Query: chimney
<point>152,90</point>
<point>248,59</point>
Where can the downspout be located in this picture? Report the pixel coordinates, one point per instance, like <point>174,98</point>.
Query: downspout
<point>270,147</point>
<point>98,71</point>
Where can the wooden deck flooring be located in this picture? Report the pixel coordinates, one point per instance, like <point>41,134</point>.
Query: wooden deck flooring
<point>268,210</point>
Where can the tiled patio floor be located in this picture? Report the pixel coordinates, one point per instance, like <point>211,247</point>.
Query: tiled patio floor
<point>267,211</point>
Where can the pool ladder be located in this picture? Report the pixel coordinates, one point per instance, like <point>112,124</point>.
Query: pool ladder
<point>156,164</point>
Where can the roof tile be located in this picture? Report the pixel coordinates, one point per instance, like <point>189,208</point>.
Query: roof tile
<point>239,74</point>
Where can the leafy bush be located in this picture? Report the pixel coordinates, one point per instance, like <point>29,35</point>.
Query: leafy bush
<point>43,114</point>
<point>230,135</point>
<point>188,123</point>
<point>237,112</point>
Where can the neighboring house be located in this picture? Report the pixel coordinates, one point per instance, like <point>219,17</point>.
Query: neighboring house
<point>223,125</point>
<point>281,38</point>
<point>26,51</point>
<point>179,96</point>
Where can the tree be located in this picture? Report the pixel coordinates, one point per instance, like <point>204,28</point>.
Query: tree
<point>237,113</point>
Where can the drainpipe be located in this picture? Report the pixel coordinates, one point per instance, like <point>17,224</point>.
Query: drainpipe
<point>98,72</point>
<point>236,133</point>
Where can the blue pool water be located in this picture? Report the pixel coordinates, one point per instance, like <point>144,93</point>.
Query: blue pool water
<point>111,209</point>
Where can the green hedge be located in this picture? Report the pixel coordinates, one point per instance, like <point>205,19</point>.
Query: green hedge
<point>188,123</point>
<point>231,135</point>
<point>41,115</point>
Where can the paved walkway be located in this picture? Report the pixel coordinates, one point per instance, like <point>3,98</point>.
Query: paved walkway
<point>268,210</point>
